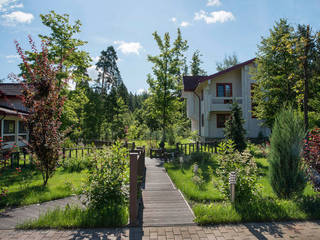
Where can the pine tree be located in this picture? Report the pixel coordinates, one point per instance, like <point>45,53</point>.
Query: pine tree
<point>196,62</point>
<point>109,74</point>
<point>228,62</point>
<point>286,175</point>
<point>234,128</point>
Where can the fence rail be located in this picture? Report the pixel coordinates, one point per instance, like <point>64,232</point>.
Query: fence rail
<point>188,148</point>
<point>23,158</point>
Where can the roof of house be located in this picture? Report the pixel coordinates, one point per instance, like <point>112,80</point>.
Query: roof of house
<point>7,111</point>
<point>10,89</point>
<point>190,83</point>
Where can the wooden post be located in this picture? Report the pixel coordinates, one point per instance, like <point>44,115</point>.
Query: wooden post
<point>133,205</point>
<point>77,153</point>
<point>197,146</point>
<point>185,149</point>
<point>177,147</point>
<point>63,153</point>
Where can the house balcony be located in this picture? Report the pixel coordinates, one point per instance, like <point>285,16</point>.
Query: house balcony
<point>223,104</point>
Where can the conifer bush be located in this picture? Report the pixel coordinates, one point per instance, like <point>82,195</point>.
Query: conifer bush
<point>287,176</point>
<point>234,128</point>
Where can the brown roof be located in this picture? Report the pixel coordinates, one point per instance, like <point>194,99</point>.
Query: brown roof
<point>191,82</point>
<point>10,89</point>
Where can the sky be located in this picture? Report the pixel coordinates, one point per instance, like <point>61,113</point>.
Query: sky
<point>214,27</point>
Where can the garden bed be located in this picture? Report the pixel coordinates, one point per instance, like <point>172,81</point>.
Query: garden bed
<point>211,206</point>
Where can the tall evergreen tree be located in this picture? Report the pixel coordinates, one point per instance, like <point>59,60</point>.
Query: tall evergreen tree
<point>227,62</point>
<point>234,128</point>
<point>196,62</point>
<point>286,174</point>
<point>166,82</point>
<point>109,74</point>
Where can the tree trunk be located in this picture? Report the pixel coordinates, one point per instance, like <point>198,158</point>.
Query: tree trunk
<point>306,79</point>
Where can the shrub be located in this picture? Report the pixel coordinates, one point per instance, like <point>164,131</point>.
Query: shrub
<point>287,177</point>
<point>245,167</point>
<point>234,128</point>
<point>197,176</point>
<point>109,177</point>
<point>312,156</point>
<point>74,164</point>
<point>200,157</point>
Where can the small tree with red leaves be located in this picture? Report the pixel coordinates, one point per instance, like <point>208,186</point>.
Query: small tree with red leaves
<point>41,95</point>
<point>312,156</point>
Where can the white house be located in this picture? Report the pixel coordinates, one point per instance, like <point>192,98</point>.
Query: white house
<point>12,129</point>
<point>209,100</point>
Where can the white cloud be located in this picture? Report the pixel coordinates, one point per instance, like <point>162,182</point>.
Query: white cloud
<point>17,17</point>
<point>95,59</point>
<point>184,24</point>
<point>173,19</point>
<point>213,3</point>
<point>128,47</point>
<point>93,73</point>
<point>5,5</point>
<point>214,17</point>
<point>12,56</point>
<point>141,90</point>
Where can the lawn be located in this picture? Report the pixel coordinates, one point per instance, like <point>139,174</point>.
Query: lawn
<point>26,187</point>
<point>210,206</point>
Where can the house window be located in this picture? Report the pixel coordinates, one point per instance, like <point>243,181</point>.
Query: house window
<point>224,89</point>
<point>221,120</point>
<point>9,130</point>
<point>253,104</point>
<point>202,120</point>
<point>22,131</point>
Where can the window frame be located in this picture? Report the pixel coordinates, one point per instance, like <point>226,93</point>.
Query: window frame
<point>9,134</point>
<point>226,116</point>
<point>224,89</point>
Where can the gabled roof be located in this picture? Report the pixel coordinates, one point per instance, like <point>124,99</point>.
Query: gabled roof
<point>191,82</point>
<point>10,89</point>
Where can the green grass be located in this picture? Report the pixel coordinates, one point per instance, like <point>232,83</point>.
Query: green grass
<point>210,207</point>
<point>264,209</point>
<point>182,178</point>
<point>75,217</point>
<point>27,187</point>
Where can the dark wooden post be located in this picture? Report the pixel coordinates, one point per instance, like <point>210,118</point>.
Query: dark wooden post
<point>177,147</point>
<point>77,153</point>
<point>63,153</point>
<point>133,189</point>
<point>197,146</point>
<point>70,152</point>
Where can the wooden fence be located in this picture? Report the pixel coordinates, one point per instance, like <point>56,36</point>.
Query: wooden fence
<point>188,148</point>
<point>23,158</point>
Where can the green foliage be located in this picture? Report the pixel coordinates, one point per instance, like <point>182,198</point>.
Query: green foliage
<point>234,128</point>
<point>195,64</point>
<point>283,65</point>
<point>197,176</point>
<point>109,74</point>
<point>287,176</point>
<point>75,164</point>
<point>165,83</point>
<point>76,217</point>
<point>245,168</point>
<point>201,157</point>
<point>258,210</point>
<point>108,178</point>
<point>228,62</point>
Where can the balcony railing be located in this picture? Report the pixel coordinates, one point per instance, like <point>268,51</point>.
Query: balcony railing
<point>223,104</point>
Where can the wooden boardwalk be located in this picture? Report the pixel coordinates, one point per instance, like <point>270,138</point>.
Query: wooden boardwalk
<point>163,204</point>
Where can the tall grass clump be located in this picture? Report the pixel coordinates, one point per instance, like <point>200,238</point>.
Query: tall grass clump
<point>287,176</point>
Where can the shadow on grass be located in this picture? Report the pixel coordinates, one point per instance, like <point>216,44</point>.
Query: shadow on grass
<point>11,176</point>
<point>16,198</point>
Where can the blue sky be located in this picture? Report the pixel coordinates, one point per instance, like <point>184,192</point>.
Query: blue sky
<point>215,27</point>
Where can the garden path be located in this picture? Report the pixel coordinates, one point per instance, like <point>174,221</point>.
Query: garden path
<point>11,217</point>
<point>163,203</point>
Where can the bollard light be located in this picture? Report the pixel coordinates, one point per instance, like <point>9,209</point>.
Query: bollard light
<point>181,159</point>
<point>232,182</point>
<point>195,169</point>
